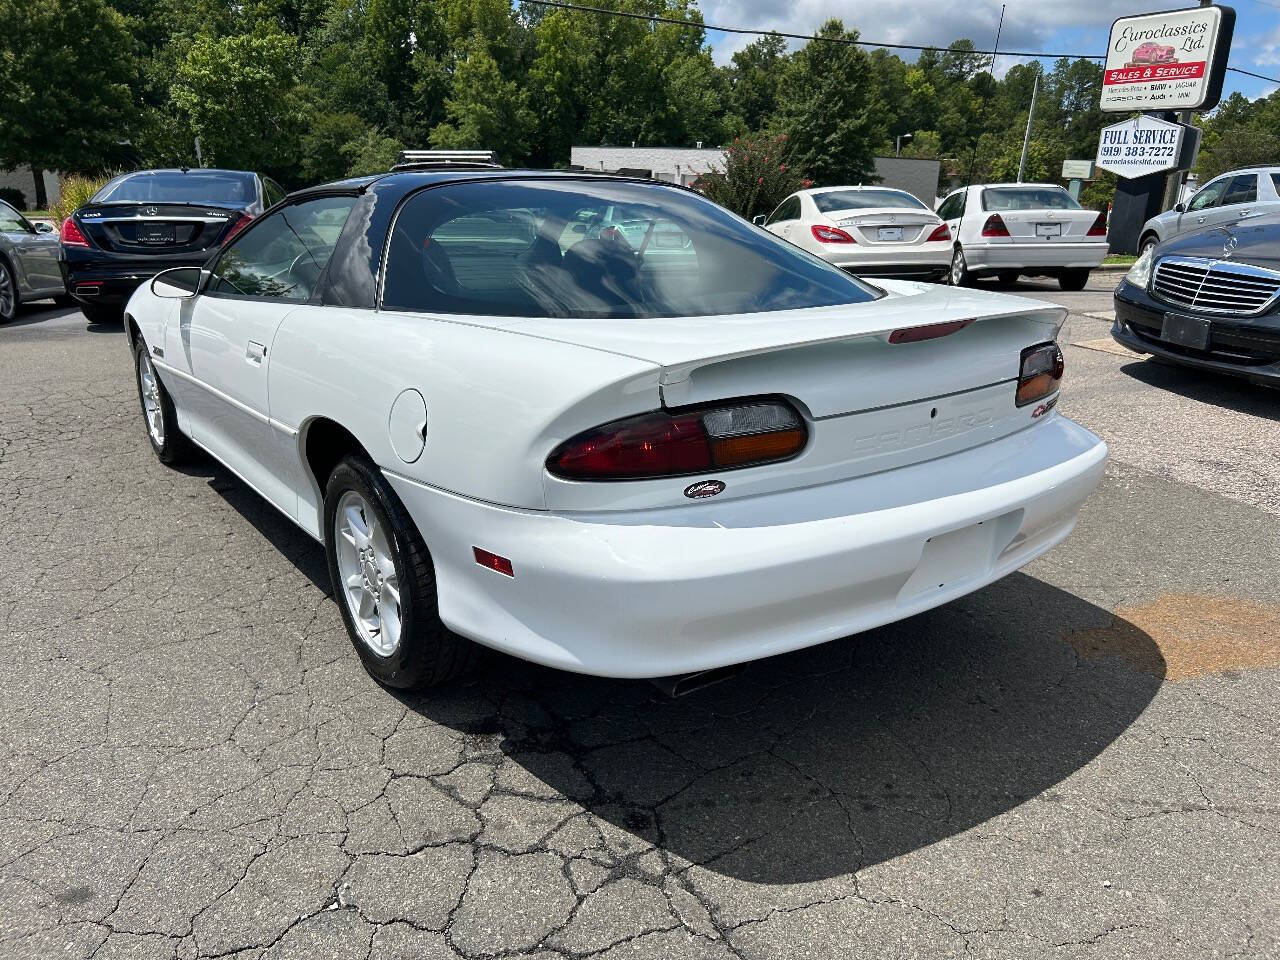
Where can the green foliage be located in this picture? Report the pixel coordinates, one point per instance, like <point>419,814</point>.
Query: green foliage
<point>75,193</point>
<point>68,72</point>
<point>1241,133</point>
<point>330,145</point>
<point>757,175</point>
<point>239,96</point>
<point>823,106</point>
<point>485,111</point>
<point>371,153</point>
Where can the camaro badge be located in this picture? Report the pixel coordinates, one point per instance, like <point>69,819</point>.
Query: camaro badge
<point>703,489</point>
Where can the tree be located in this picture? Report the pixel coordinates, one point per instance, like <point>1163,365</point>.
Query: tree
<point>239,95</point>
<point>329,144</point>
<point>756,175</point>
<point>485,111</point>
<point>68,71</point>
<point>823,108</point>
<point>753,80</point>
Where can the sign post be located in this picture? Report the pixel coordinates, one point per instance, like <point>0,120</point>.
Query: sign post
<point>1158,63</point>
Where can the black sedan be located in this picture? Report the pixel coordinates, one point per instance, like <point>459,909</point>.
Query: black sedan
<point>143,222</point>
<point>1209,299</point>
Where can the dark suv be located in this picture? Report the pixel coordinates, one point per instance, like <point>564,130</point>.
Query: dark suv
<point>141,223</point>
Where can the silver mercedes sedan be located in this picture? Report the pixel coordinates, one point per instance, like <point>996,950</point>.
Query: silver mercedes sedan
<point>28,262</point>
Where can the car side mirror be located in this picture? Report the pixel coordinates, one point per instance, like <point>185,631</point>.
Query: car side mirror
<point>178,283</point>
<point>1180,207</point>
<point>44,228</point>
<point>758,219</point>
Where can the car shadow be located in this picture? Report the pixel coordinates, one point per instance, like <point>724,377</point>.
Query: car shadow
<point>37,312</point>
<point>813,764</point>
<point>1207,386</point>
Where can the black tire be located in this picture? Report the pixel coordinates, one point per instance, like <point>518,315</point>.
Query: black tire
<point>1150,240</point>
<point>174,447</point>
<point>960,274</point>
<point>1073,279</point>
<point>102,312</point>
<point>428,653</point>
<point>9,303</point>
<point>1006,278</point>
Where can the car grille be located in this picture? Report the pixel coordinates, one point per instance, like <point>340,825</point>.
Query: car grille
<point>1214,286</point>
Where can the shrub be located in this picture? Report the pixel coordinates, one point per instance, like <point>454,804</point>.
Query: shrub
<point>76,191</point>
<point>757,175</point>
<point>14,197</point>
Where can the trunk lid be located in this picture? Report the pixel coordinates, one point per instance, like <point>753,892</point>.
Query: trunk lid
<point>869,404</point>
<point>156,228</point>
<point>1046,225</point>
<point>888,226</point>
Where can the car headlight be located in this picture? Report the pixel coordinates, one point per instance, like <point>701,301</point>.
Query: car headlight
<point>1140,273</point>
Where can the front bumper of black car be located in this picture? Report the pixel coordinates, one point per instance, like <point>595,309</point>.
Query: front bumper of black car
<point>1246,347</point>
<point>95,276</point>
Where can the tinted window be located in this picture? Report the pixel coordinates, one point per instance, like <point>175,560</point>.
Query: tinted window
<point>11,221</point>
<point>566,248</point>
<point>1243,189</point>
<point>1275,181</point>
<point>272,192</point>
<point>952,207</point>
<point>788,209</point>
<point>227,187</point>
<point>1027,198</point>
<point>1209,196</point>
<point>865,199</point>
<point>281,257</point>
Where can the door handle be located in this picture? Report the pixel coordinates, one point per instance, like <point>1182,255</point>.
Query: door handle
<point>255,352</point>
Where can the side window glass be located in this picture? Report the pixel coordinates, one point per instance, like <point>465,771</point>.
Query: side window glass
<point>1243,189</point>
<point>282,256</point>
<point>11,221</point>
<point>950,208</point>
<point>1208,197</point>
<point>1275,182</point>
<point>272,192</point>
<point>779,212</point>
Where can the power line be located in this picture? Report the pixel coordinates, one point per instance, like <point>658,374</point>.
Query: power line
<point>720,28</point>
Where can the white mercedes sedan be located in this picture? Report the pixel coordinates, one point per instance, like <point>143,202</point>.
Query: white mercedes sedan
<point>869,231</point>
<point>605,425</point>
<point>1008,230</point>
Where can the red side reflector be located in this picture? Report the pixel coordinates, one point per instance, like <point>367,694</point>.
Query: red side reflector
<point>71,235</point>
<point>493,562</point>
<point>994,227</point>
<point>931,332</point>
<point>1099,228</point>
<point>941,232</point>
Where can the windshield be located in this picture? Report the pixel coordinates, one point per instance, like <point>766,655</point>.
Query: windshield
<point>568,248</point>
<point>865,200</point>
<point>222,187</point>
<point>1027,198</point>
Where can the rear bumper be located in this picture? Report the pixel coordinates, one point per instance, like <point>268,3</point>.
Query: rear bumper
<point>97,277</point>
<point>1034,256</point>
<point>659,592</point>
<point>908,260</point>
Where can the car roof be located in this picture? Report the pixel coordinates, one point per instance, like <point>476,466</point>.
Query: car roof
<point>135,173</point>
<point>408,180</point>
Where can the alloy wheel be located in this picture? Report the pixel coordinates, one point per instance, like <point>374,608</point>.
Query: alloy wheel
<point>366,564</point>
<point>151,407</point>
<point>8,296</point>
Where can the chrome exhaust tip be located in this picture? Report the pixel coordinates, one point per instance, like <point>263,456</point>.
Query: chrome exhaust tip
<point>683,684</point>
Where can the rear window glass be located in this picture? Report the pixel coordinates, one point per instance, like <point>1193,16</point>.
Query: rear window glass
<point>174,186</point>
<point>1027,198</point>
<point>567,248</point>
<point>865,200</point>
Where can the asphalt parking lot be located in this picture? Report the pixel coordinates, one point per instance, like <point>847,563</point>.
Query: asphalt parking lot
<point>1079,761</point>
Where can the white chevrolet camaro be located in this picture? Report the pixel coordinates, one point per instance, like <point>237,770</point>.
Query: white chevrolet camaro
<point>869,231</point>
<point>1007,230</point>
<point>605,425</point>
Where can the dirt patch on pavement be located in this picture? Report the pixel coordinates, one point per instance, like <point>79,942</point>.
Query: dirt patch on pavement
<point>1195,634</point>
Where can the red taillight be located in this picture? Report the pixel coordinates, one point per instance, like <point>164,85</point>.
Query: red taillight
<point>71,235</point>
<point>494,562</point>
<point>994,227</point>
<point>825,234</point>
<point>930,332</point>
<point>940,232</point>
<point>1040,373</point>
<point>244,221</point>
<point>672,444</point>
<point>1099,228</point>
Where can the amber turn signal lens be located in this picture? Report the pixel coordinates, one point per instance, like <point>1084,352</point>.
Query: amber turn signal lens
<point>1040,373</point>
<point>736,451</point>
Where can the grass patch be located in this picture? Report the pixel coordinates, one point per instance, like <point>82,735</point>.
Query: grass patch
<point>37,214</point>
<point>1120,260</point>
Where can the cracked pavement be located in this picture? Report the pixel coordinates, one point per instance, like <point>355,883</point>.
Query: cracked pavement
<point>1079,761</point>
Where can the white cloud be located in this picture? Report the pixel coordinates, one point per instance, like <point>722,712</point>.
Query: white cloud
<point>1268,49</point>
<point>1028,24</point>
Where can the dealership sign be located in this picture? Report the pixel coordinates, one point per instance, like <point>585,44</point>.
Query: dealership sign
<point>1168,61</point>
<point>1140,146</point>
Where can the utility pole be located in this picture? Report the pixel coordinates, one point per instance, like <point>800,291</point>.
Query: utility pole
<point>1173,184</point>
<point>1026,140</point>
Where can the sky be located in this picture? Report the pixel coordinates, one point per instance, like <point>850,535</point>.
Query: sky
<point>1056,26</point>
